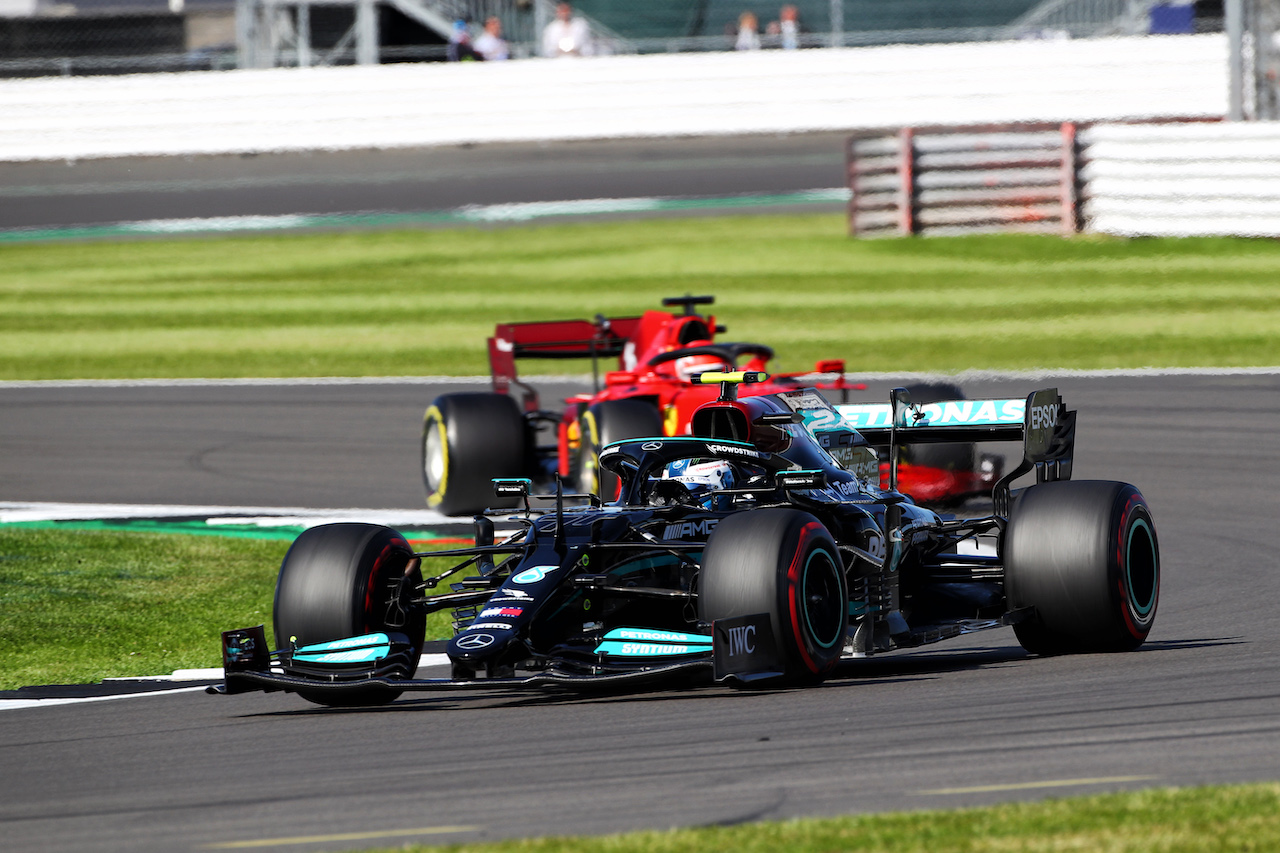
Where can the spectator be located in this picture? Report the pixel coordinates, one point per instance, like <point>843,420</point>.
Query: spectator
<point>490,44</point>
<point>566,35</point>
<point>748,32</point>
<point>789,27</point>
<point>460,48</point>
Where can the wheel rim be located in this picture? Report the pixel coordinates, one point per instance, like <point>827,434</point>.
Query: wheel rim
<point>1142,570</point>
<point>824,609</point>
<point>380,588</point>
<point>435,464</point>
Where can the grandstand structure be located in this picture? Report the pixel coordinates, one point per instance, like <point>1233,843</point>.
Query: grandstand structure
<point>117,36</point>
<point>275,32</point>
<point>75,37</point>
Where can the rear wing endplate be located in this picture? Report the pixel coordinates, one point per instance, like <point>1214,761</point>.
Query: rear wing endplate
<point>1042,422</point>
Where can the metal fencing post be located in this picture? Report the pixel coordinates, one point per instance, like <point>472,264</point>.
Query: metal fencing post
<point>304,35</point>
<point>907,181</point>
<point>1234,10</point>
<point>1266,59</point>
<point>851,179</point>
<point>1070,181</point>
<point>541,17</point>
<point>246,35</point>
<point>366,32</point>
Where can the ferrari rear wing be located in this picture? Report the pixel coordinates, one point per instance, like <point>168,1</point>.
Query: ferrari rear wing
<point>1042,422</point>
<point>603,337</point>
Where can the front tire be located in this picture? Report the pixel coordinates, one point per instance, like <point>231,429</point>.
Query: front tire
<point>785,563</point>
<point>338,581</point>
<point>1085,556</point>
<point>467,441</point>
<point>604,423</point>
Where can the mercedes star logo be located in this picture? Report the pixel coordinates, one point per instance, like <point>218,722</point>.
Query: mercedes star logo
<point>475,641</point>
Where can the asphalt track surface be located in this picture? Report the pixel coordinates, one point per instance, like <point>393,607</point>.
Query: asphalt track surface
<point>41,195</point>
<point>970,721</point>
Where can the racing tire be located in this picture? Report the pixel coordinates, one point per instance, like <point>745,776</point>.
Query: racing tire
<point>467,441</point>
<point>337,581</point>
<point>1085,556</point>
<point>947,457</point>
<point>785,563</point>
<point>604,423</point>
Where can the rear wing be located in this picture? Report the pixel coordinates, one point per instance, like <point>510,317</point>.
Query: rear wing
<point>603,337</point>
<point>1042,422</point>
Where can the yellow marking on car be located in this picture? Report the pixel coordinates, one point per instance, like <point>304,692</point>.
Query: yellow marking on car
<point>1031,786</point>
<point>590,464</point>
<point>737,377</point>
<point>342,836</point>
<point>670,420</point>
<point>433,414</point>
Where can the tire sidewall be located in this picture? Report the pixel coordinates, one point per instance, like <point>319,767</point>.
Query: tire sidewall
<point>436,486</point>
<point>481,436</point>
<point>1138,598</point>
<point>1085,556</point>
<point>771,561</point>
<point>816,647</point>
<point>604,423</point>
<point>333,581</point>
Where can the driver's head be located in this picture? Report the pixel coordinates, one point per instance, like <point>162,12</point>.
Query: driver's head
<point>691,365</point>
<point>701,476</point>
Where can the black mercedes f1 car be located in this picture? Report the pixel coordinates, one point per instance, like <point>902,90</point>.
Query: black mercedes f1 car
<point>759,550</point>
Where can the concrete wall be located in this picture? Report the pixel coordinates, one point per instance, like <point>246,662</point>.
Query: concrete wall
<point>612,97</point>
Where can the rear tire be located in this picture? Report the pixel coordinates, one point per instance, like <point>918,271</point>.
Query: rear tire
<point>604,423</point>
<point>337,581</point>
<point>467,441</point>
<point>1085,555</point>
<point>785,563</point>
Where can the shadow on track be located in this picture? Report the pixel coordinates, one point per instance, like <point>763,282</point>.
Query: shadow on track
<point>864,672</point>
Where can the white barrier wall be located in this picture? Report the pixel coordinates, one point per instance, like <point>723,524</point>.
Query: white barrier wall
<point>1182,180</point>
<point>612,97</point>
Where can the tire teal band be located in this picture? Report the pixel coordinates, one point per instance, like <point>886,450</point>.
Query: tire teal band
<point>804,591</point>
<point>1142,609</point>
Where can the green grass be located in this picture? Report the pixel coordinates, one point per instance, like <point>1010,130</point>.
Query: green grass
<point>423,302</point>
<point>82,606</point>
<point>1230,819</point>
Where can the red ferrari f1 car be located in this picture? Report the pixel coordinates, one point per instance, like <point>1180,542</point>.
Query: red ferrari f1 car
<point>469,439</point>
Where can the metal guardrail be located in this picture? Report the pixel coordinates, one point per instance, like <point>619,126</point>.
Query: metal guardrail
<point>1170,177</point>
<point>1084,18</point>
<point>952,180</point>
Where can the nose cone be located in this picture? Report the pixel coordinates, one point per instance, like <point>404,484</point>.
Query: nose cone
<point>480,642</point>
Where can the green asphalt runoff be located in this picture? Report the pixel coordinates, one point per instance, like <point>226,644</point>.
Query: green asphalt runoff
<point>520,212</point>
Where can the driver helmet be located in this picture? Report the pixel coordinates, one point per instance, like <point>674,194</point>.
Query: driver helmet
<point>691,365</point>
<point>700,476</point>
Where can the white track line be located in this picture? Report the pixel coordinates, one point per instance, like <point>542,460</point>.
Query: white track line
<point>20,511</point>
<point>213,674</point>
<point>15,704</point>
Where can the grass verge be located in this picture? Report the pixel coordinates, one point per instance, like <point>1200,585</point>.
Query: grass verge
<point>1227,819</point>
<point>423,302</point>
<point>82,606</point>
